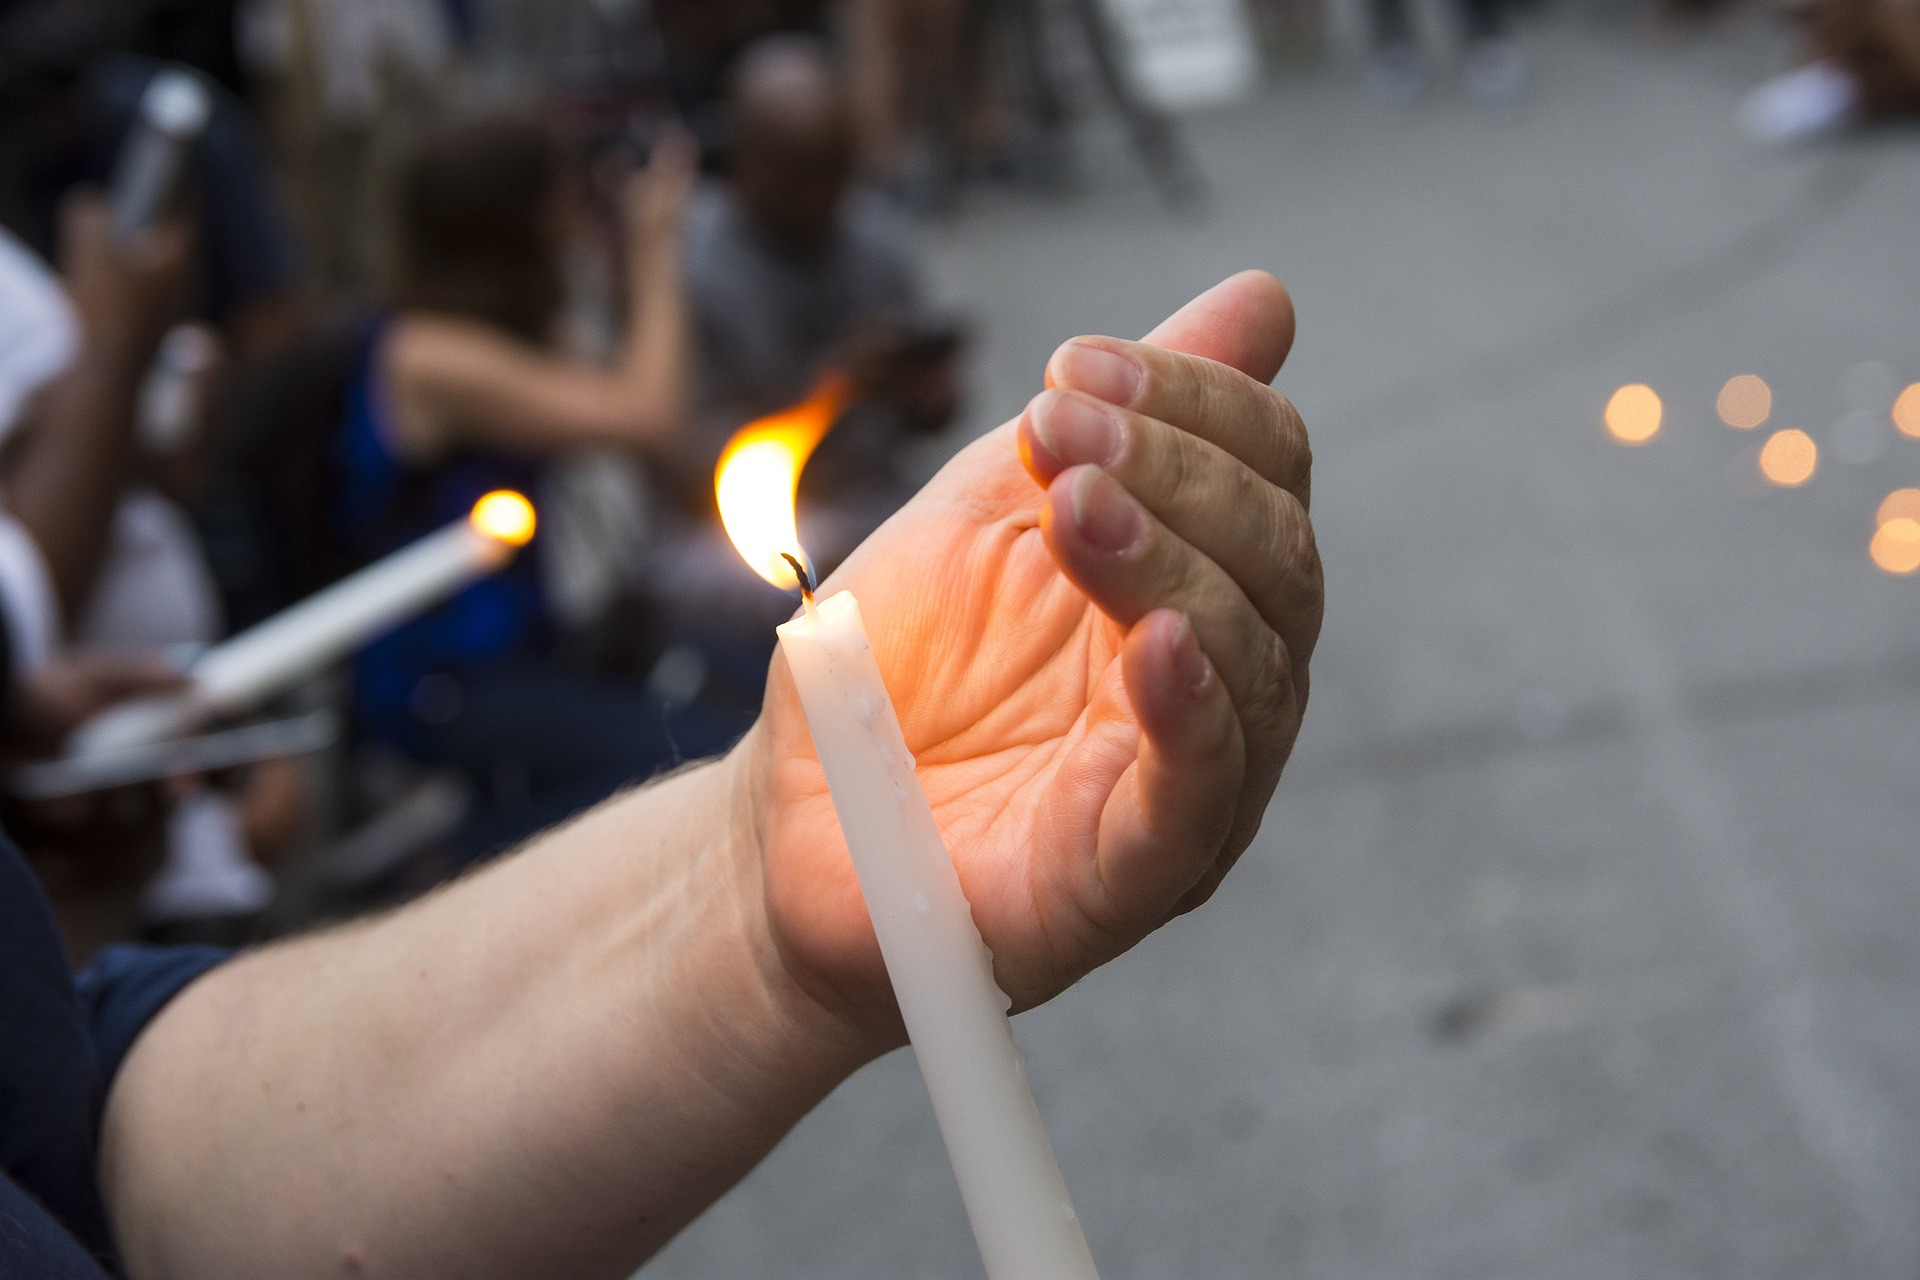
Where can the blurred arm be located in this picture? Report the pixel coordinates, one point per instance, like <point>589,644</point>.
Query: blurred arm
<point>456,377</point>
<point>64,479</point>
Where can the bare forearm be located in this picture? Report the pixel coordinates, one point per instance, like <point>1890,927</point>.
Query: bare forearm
<point>547,1069</point>
<point>64,483</point>
<point>657,358</point>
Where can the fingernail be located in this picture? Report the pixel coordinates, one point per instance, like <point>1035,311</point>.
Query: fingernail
<point>1104,514</point>
<point>1105,375</point>
<point>1075,431</point>
<point>1189,663</point>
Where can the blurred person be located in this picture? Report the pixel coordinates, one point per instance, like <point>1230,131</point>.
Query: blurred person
<point>552,1066</point>
<point>700,40</point>
<point>1494,72</point>
<point>90,852</point>
<point>1865,68</point>
<point>346,86</point>
<point>460,387</point>
<point>72,361</point>
<point>155,593</point>
<point>919,79</point>
<point>94,560</point>
<point>67,102</point>
<point>79,355</point>
<point>794,272</point>
<point>790,265</point>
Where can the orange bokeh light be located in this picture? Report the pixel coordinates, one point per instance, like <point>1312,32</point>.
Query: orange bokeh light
<point>1899,503</point>
<point>1906,411</point>
<point>759,477</point>
<point>1633,414</point>
<point>1789,457</point>
<point>1896,545</point>
<point>1745,402</point>
<point>505,516</point>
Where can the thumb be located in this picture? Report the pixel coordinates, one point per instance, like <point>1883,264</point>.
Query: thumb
<point>1245,321</point>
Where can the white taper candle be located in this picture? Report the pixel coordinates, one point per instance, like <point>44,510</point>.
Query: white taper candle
<point>941,971</point>
<point>276,654</point>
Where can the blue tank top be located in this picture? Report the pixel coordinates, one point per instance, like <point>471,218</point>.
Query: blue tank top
<point>384,502</point>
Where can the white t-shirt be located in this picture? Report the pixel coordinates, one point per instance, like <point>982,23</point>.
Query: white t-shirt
<point>154,590</point>
<point>39,332</point>
<point>39,335</point>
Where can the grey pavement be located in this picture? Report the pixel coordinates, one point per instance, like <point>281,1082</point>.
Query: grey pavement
<point>1583,938</point>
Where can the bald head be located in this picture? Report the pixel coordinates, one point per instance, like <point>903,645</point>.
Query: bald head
<point>793,144</point>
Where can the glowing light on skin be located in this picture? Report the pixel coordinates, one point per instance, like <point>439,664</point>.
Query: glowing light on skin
<point>1896,545</point>
<point>1745,402</point>
<point>1633,414</point>
<point>1906,411</point>
<point>1789,458</point>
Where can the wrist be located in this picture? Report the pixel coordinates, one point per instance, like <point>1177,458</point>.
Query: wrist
<point>652,251</point>
<point>804,1000</point>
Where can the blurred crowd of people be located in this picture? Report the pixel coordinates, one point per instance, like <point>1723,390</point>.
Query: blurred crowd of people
<point>424,249</point>
<point>421,250</point>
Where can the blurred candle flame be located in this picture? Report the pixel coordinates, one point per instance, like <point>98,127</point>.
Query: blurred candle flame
<point>759,476</point>
<point>504,516</point>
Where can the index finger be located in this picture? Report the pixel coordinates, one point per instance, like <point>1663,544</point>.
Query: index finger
<point>1203,397</point>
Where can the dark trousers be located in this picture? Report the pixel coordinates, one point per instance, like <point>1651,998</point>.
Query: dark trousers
<point>539,743</point>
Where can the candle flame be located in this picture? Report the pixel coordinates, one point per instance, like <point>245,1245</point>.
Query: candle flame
<point>504,516</point>
<point>759,476</point>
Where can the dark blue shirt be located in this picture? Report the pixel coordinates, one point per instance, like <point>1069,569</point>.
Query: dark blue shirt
<point>62,1039</point>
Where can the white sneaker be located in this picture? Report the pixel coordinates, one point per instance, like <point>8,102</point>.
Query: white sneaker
<point>1495,74</point>
<point>1818,99</point>
<point>1397,76</point>
<point>208,871</point>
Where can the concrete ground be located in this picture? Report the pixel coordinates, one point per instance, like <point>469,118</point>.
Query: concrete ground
<point>1583,939</point>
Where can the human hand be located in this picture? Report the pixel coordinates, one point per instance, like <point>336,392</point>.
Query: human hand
<point>73,689</point>
<point>94,837</point>
<point>126,295</point>
<point>1098,658</point>
<point>911,364</point>
<point>656,196</point>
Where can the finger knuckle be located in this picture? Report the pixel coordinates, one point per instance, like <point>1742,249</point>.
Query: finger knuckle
<point>1298,549</point>
<point>1185,466</point>
<point>1269,704</point>
<point>1228,392</point>
<point>1293,448</point>
<point>1287,555</point>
